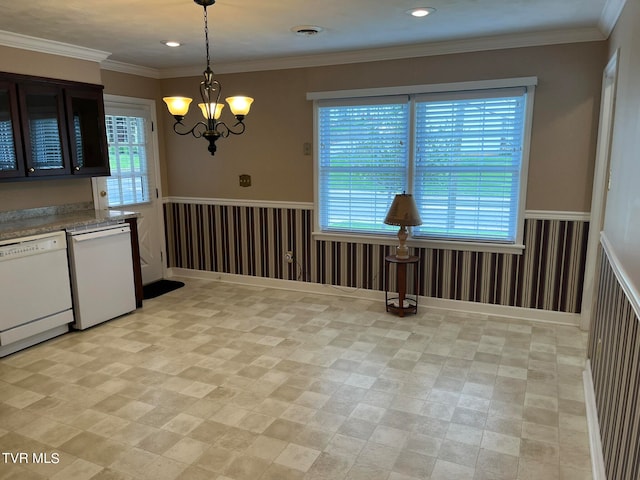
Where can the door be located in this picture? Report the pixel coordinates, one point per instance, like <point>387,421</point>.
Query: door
<point>134,181</point>
<point>601,177</point>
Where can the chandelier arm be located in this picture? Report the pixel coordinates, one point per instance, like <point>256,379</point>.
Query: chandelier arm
<point>224,130</point>
<point>193,130</point>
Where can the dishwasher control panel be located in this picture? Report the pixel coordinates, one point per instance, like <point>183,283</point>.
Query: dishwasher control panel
<point>32,245</point>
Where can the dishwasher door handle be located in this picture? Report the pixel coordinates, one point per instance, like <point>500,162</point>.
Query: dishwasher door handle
<point>83,237</point>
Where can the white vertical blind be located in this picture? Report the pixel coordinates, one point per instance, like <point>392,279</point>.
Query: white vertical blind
<point>363,158</point>
<point>468,157</point>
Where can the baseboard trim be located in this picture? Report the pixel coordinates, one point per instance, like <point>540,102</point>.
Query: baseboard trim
<point>527,314</point>
<point>595,442</point>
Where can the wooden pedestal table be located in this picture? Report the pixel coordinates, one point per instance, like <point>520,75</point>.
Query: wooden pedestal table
<point>403,303</point>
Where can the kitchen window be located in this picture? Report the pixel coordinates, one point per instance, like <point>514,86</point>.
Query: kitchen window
<point>460,149</point>
<point>129,182</point>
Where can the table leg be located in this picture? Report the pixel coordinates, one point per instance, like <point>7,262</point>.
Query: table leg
<point>402,285</point>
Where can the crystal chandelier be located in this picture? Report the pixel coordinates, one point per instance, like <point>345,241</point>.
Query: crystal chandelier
<point>212,128</point>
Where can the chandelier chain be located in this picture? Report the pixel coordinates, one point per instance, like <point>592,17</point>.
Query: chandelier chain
<point>206,35</point>
<point>210,89</point>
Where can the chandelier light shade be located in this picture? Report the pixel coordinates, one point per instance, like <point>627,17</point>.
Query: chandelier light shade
<point>403,212</point>
<point>216,108</point>
<point>210,89</point>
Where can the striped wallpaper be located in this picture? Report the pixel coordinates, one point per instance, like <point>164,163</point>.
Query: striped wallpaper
<point>251,240</point>
<point>614,351</point>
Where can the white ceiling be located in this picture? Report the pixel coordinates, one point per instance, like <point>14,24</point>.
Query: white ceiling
<point>248,34</point>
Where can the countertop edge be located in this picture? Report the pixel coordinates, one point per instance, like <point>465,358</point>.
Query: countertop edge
<point>51,223</point>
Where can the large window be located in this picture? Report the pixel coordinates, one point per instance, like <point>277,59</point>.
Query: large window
<point>462,154</point>
<point>363,163</point>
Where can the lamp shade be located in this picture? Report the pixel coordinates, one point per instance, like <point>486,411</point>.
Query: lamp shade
<point>403,211</point>
<point>178,106</point>
<point>239,105</point>
<point>216,108</point>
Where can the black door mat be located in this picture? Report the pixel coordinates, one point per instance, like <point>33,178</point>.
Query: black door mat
<point>160,287</point>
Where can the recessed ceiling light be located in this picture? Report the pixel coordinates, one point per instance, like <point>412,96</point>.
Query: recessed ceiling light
<point>306,30</point>
<point>172,43</point>
<point>421,11</point>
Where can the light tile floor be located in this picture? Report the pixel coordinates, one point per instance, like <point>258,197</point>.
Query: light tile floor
<point>220,381</point>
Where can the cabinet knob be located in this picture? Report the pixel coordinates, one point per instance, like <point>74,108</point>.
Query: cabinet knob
<point>103,193</point>
<point>31,170</point>
<point>77,168</point>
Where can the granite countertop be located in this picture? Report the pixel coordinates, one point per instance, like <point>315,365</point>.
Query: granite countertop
<point>23,223</point>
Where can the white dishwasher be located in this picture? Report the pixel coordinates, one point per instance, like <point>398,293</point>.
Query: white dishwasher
<point>101,268</point>
<point>35,297</point>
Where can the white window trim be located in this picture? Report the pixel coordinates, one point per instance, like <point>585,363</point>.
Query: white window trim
<point>420,243</point>
<point>132,106</point>
<point>517,248</point>
<point>417,89</point>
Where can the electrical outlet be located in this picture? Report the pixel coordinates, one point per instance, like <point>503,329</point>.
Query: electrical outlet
<point>288,256</point>
<point>245,180</point>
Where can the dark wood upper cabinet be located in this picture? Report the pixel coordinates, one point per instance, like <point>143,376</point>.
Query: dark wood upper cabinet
<point>87,132</point>
<point>44,131</point>
<point>11,157</point>
<point>58,129</point>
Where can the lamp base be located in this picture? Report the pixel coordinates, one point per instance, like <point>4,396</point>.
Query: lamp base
<point>402,252</point>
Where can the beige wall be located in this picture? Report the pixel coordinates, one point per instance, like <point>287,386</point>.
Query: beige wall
<point>271,151</point>
<point>622,217</point>
<point>43,193</point>
<point>44,65</point>
<point>563,141</point>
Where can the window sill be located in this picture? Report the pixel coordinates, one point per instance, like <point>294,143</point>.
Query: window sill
<point>516,249</point>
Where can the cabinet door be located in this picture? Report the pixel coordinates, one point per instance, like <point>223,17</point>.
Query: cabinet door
<point>86,123</point>
<point>44,130</point>
<point>11,158</point>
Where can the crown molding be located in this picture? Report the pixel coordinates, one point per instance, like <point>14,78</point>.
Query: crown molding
<point>609,16</point>
<point>497,42</point>
<point>25,42</point>
<point>611,12</point>
<point>131,69</point>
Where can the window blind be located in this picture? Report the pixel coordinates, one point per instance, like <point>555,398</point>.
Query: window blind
<point>7,148</point>
<point>77,128</point>
<point>46,149</point>
<point>363,155</point>
<point>129,181</point>
<point>468,157</point>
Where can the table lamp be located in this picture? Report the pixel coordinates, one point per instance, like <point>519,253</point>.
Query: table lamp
<point>404,213</point>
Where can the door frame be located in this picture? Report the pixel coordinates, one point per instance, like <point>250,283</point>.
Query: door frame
<point>115,101</point>
<point>601,179</point>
